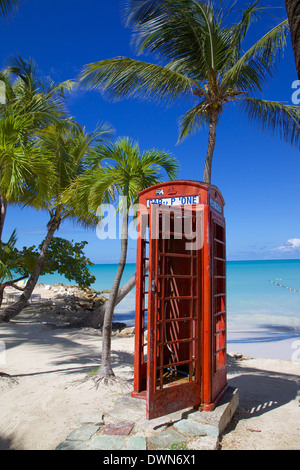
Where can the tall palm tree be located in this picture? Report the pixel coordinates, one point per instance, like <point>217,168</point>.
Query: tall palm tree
<point>70,149</point>
<point>42,100</point>
<point>293,11</point>
<point>21,166</point>
<point>123,173</point>
<point>30,105</point>
<point>201,57</point>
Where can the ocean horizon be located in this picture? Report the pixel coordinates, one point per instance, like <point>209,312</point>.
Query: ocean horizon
<point>263,304</point>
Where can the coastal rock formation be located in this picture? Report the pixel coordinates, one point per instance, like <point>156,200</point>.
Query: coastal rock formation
<point>71,305</point>
<point>71,302</point>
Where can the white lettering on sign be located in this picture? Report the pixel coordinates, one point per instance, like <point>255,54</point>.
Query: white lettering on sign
<point>216,206</point>
<point>174,201</point>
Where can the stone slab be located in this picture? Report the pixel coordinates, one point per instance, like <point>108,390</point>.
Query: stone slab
<point>96,419</point>
<point>71,445</point>
<point>127,407</point>
<point>107,443</point>
<point>194,429</point>
<point>166,438</point>
<point>83,433</point>
<point>221,415</point>
<point>137,404</point>
<point>122,428</point>
<point>136,443</point>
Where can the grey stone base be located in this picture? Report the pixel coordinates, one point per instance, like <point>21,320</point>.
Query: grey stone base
<point>186,429</point>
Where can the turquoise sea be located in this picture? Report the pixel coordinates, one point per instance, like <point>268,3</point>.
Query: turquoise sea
<point>263,304</point>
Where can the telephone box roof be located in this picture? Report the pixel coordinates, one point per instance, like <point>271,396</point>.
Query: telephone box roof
<point>194,183</point>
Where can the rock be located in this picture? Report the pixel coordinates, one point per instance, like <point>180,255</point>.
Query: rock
<point>85,305</point>
<point>123,428</point>
<point>127,331</point>
<point>118,326</point>
<point>95,418</point>
<point>238,356</point>
<point>166,438</point>
<point>107,442</point>
<point>136,443</point>
<point>84,433</point>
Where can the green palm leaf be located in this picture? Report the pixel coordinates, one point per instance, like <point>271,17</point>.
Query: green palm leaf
<point>275,117</point>
<point>6,6</point>
<point>200,53</point>
<point>193,120</point>
<point>252,70</point>
<point>120,77</point>
<point>124,171</point>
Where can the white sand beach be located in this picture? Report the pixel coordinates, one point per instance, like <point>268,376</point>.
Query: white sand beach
<point>43,394</point>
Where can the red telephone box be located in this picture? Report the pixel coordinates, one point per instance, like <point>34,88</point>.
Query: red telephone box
<point>180,322</point>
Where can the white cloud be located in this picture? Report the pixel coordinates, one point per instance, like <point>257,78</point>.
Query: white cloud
<point>291,245</point>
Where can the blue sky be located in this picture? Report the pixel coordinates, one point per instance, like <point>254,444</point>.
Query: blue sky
<point>257,174</point>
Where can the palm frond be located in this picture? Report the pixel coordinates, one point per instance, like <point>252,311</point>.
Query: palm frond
<point>137,12</point>
<point>160,160</point>
<point>193,120</point>
<point>124,77</point>
<point>6,6</point>
<point>274,116</point>
<point>124,173</point>
<point>259,62</point>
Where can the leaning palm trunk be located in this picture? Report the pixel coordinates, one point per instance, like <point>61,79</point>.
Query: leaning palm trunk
<point>105,370</point>
<point>95,318</point>
<point>12,311</point>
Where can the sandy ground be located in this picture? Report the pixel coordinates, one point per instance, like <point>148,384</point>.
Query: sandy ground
<point>45,394</point>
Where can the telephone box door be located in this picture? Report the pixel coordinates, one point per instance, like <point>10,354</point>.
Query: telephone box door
<point>174,321</point>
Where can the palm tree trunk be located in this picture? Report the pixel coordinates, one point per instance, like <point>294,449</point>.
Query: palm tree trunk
<point>293,11</point>
<point>211,147</point>
<point>13,310</point>
<point>3,209</point>
<point>106,368</point>
<point>95,318</point>
<point>2,287</point>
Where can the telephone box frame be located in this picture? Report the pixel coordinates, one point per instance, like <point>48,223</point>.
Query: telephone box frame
<point>207,312</point>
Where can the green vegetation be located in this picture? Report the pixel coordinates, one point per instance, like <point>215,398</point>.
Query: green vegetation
<point>51,163</point>
<point>16,265</point>
<point>123,173</point>
<point>42,152</point>
<point>177,446</point>
<point>200,46</point>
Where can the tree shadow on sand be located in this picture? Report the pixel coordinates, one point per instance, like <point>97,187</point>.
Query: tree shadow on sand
<point>260,391</point>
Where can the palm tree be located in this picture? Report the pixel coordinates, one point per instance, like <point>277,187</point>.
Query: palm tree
<point>202,58</point>
<point>7,6</point>
<point>293,11</point>
<point>30,105</point>
<point>41,101</point>
<point>10,263</point>
<point>22,168</point>
<point>123,173</point>
<point>70,149</point>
